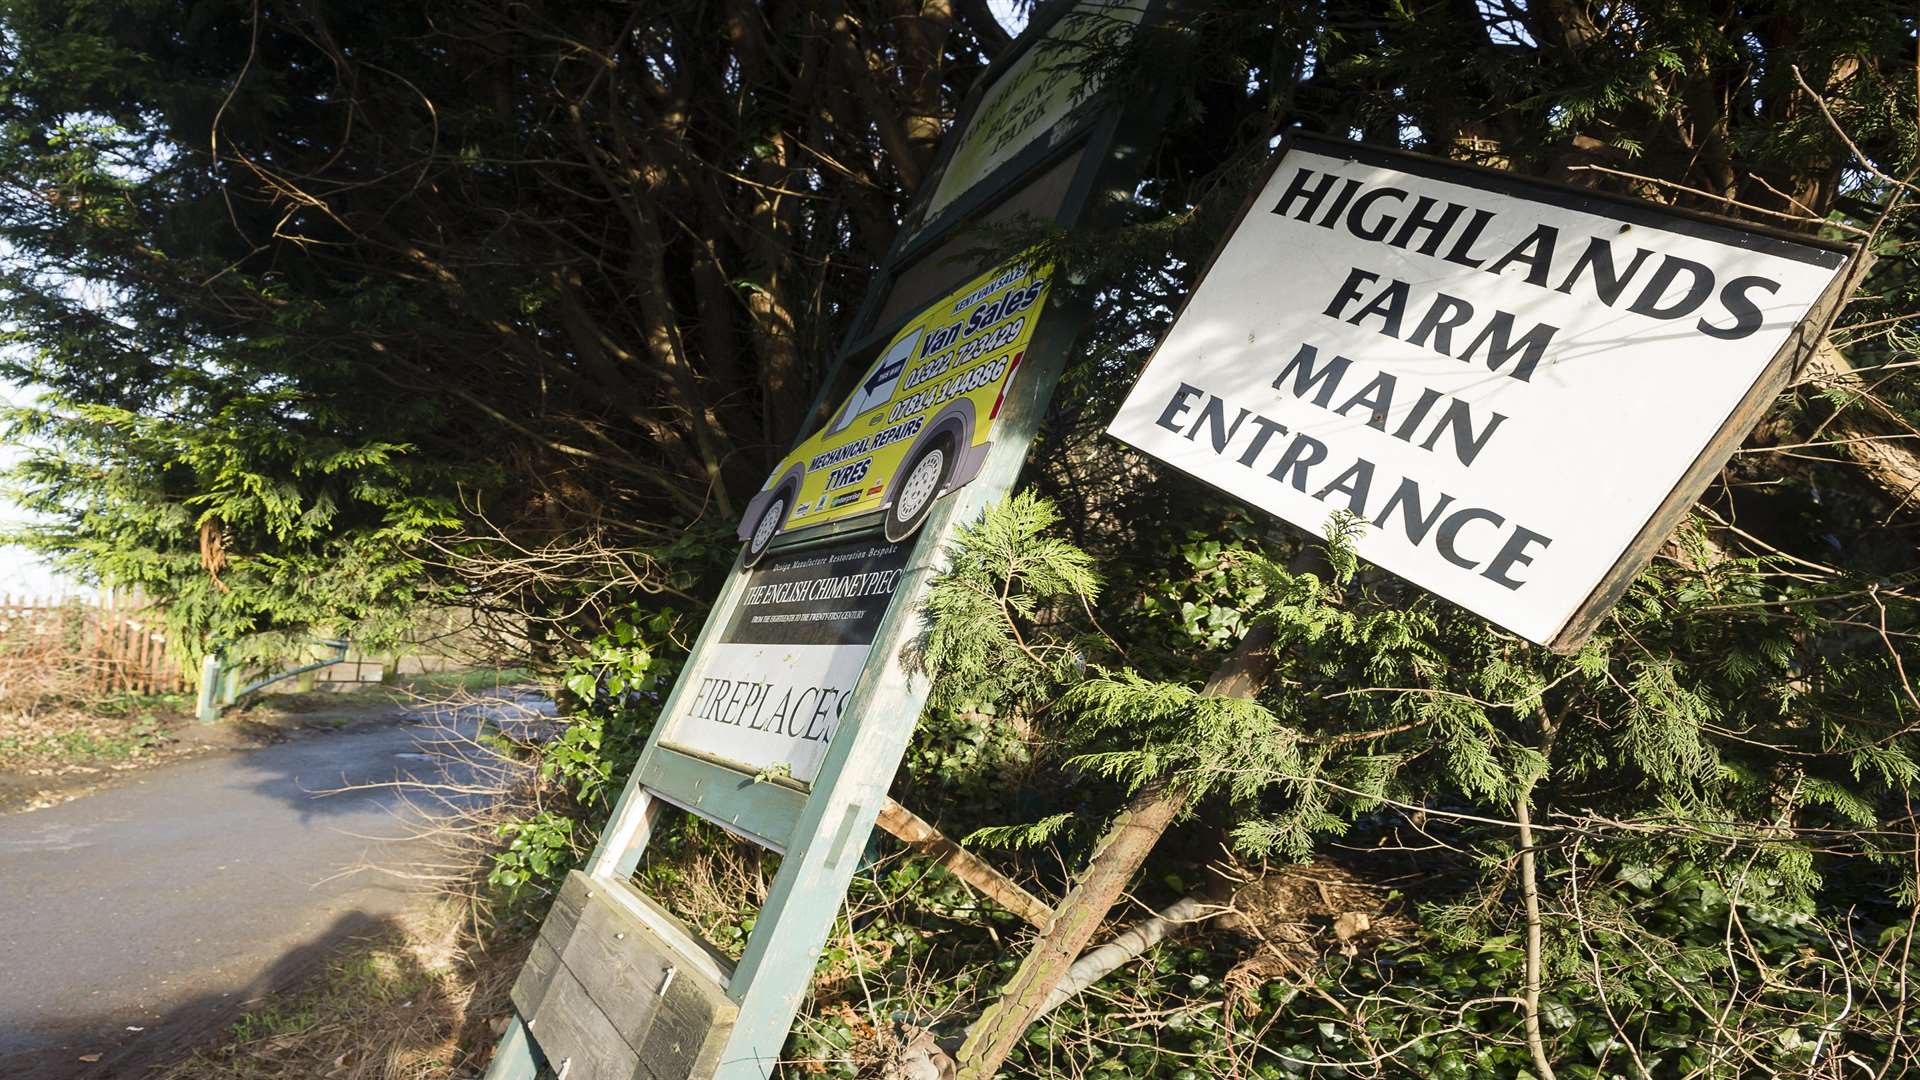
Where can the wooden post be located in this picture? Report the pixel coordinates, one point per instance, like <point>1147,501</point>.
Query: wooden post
<point>100,676</point>
<point>513,1054</point>
<point>821,827</point>
<point>914,831</point>
<point>208,707</point>
<point>823,853</point>
<point>155,645</point>
<point>143,662</point>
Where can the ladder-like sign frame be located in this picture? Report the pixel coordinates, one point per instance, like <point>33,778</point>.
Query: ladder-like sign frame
<point>616,987</point>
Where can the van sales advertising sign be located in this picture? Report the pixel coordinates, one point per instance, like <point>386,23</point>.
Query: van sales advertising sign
<point>1504,380</point>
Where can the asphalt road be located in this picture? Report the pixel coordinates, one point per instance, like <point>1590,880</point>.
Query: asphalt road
<point>165,903</point>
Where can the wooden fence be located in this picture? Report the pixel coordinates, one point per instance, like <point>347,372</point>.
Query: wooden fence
<point>93,648</point>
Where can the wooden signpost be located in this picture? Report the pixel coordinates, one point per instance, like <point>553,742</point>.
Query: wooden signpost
<point>796,703</point>
<point>1521,387</point>
<point>1469,361</point>
<point>1466,359</point>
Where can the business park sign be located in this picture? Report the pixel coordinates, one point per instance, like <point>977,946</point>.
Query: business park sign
<point>1520,387</point>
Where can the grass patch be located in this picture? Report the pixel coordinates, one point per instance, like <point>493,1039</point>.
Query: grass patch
<point>313,701</point>
<point>139,705</point>
<point>478,680</point>
<point>61,734</point>
<point>432,685</point>
<point>396,1005</point>
<point>378,979</point>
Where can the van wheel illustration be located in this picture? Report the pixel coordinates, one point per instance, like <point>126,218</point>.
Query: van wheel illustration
<point>767,526</point>
<point>919,485</point>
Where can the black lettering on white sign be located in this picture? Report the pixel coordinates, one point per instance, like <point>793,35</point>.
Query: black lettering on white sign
<point>771,691</point>
<point>1504,380</point>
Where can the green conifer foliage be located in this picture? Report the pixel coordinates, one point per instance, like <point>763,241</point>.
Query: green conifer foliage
<point>1706,761</point>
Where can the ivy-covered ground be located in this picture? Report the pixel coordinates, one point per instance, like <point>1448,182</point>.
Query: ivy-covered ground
<point>1282,980</point>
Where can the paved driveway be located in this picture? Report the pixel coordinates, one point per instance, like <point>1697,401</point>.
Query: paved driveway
<point>165,903</point>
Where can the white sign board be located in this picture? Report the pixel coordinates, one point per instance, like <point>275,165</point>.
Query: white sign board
<point>1037,91</point>
<point>769,693</point>
<point>1504,380</point>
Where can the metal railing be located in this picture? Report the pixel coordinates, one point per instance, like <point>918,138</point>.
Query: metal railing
<point>220,685</point>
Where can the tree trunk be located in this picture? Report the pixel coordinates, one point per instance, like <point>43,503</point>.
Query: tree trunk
<point>1866,432</point>
<point>1530,897</point>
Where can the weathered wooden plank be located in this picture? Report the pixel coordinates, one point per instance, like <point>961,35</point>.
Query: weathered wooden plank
<point>677,936</point>
<point>535,977</point>
<point>668,1006</point>
<point>565,913</point>
<point>765,811</point>
<point>650,983</point>
<point>621,965</point>
<point>689,1030</point>
<point>576,1037</point>
<point>531,986</point>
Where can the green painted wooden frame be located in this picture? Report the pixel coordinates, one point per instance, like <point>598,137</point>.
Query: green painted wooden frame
<point>822,828</point>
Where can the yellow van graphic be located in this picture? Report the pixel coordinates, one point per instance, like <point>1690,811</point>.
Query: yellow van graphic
<point>918,424</point>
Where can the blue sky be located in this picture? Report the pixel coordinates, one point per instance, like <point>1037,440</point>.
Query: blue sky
<point>21,572</point>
